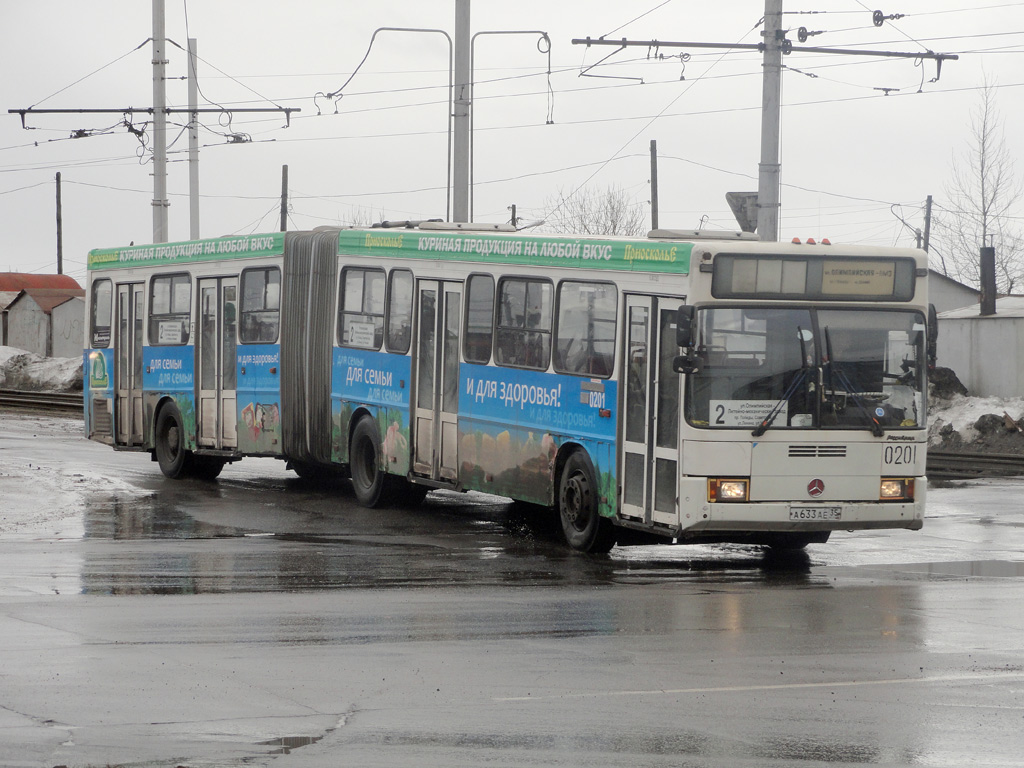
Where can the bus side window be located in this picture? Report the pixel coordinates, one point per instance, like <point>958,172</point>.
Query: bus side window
<point>399,330</point>
<point>479,319</point>
<point>102,303</point>
<point>524,323</point>
<point>261,305</point>
<point>361,312</point>
<point>170,303</point>
<point>585,335</point>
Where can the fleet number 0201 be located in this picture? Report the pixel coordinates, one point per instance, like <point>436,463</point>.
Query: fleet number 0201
<point>899,455</point>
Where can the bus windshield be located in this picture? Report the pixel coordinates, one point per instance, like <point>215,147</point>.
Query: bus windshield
<point>767,368</point>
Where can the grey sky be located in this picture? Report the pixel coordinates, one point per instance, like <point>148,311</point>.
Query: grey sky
<point>848,150</point>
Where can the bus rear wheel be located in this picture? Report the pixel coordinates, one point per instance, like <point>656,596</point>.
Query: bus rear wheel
<point>584,529</point>
<point>206,467</point>
<point>171,455</point>
<point>368,480</point>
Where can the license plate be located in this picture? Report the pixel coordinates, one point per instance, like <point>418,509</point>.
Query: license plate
<point>815,513</point>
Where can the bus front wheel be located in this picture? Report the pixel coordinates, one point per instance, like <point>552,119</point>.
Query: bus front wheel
<point>170,443</point>
<point>585,530</point>
<point>368,480</point>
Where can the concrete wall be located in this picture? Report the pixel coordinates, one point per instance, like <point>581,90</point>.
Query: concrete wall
<point>67,323</point>
<point>948,294</point>
<point>28,327</point>
<point>985,353</point>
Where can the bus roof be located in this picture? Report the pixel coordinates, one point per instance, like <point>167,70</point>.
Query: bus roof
<point>665,251</point>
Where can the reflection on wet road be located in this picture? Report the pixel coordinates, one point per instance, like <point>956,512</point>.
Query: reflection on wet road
<point>251,534</point>
<point>209,537</point>
<point>260,620</point>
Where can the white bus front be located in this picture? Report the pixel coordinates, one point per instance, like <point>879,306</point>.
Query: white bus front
<point>803,419</point>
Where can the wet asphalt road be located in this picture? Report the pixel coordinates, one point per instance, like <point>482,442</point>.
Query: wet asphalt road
<point>259,620</point>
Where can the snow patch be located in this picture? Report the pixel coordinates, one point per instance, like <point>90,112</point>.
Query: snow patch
<point>28,371</point>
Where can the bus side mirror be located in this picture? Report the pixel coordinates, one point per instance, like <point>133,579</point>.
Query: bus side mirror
<point>689,363</point>
<point>684,326</point>
<point>933,336</point>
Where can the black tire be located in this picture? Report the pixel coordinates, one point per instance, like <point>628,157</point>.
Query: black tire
<point>797,541</point>
<point>584,529</point>
<point>368,480</point>
<point>206,467</point>
<point>314,473</point>
<point>401,491</point>
<point>175,461</point>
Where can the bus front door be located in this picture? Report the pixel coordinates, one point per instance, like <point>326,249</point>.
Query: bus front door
<point>218,306</point>
<point>650,408</point>
<point>128,352</point>
<point>436,399</point>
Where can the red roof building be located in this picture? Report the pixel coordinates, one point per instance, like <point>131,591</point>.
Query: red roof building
<point>19,281</point>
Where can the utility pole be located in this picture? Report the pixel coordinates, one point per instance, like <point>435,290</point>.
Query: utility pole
<point>463,104</point>
<point>927,222</point>
<point>60,230</point>
<point>654,184</point>
<point>193,142</point>
<point>773,48</point>
<point>284,198</point>
<point>160,203</point>
<point>160,112</point>
<point>771,98</point>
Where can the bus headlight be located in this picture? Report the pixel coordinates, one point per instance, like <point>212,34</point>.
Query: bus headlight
<point>727,490</point>
<point>896,489</point>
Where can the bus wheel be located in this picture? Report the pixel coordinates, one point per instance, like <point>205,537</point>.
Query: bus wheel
<point>796,541</point>
<point>364,460</point>
<point>585,530</point>
<point>206,468</point>
<point>174,460</point>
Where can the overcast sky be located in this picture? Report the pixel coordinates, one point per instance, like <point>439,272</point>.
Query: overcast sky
<point>851,155</point>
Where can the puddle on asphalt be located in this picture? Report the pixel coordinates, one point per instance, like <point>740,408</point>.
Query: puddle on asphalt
<point>151,517</point>
<point>285,744</point>
<point>986,569</point>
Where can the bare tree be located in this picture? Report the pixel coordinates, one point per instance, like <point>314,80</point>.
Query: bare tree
<point>982,195</point>
<point>589,211</point>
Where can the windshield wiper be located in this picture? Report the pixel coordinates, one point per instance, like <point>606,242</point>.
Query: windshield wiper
<point>847,385</point>
<point>768,420</point>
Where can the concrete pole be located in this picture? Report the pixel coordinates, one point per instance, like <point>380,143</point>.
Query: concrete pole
<point>654,184</point>
<point>463,105</point>
<point>193,141</point>
<point>60,230</point>
<point>927,223</point>
<point>284,198</point>
<point>771,98</point>
<point>159,126</point>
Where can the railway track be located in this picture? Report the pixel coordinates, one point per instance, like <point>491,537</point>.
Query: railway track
<point>959,465</point>
<point>52,402</point>
<point>942,465</point>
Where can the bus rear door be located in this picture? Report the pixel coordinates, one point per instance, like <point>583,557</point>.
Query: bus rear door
<point>218,306</point>
<point>650,408</point>
<point>128,354</point>
<point>436,403</point>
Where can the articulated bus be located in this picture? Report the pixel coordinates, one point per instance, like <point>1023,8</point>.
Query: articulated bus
<point>707,388</point>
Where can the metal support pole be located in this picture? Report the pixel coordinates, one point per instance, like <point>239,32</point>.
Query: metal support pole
<point>927,223</point>
<point>60,230</point>
<point>193,141</point>
<point>463,104</point>
<point>654,184</point>
<point>284,198</point>
<point>159,126</point>
<point>771,98</point>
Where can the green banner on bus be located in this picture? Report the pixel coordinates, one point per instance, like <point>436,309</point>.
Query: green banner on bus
<point>641,255</point>
<point>214,249</point>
